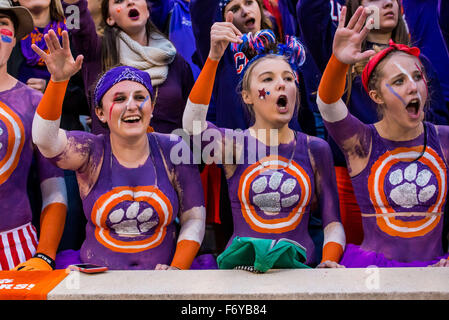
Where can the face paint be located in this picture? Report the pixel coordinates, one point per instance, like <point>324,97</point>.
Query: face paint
<point>396,94</point>
<point>112,106</point>
<point>262,94</point>
<point>6,35</point>
<point>404,71</point>
<point>424,79</point>
<point>118,9</point>
<point>141,105</point>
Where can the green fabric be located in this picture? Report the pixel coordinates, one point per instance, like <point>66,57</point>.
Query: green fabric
<point>263,254</point>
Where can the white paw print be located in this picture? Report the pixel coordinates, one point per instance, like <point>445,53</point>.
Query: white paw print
<point>132,222</point>
<point>271,202</point>
<point>407,183</point>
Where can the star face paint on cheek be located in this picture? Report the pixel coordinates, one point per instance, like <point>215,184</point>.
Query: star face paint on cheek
<point>263,93</point>
<point>6,35</point>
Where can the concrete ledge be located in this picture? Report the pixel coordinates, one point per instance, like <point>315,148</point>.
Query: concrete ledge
<point>298,284</point>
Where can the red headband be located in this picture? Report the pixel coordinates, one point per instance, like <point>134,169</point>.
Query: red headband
<point>374,61</point>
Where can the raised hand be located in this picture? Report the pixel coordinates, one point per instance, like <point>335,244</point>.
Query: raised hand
<point>59,60</point>
<point>347,46</point>
<point>221,34</point>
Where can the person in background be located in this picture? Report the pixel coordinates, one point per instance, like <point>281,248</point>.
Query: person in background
<point>20,247</point>
<point>130,38</point>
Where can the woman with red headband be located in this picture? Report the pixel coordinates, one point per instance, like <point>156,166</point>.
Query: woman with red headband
<point>397,165</point>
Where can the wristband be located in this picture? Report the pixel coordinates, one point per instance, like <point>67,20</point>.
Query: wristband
<point>46,258</point>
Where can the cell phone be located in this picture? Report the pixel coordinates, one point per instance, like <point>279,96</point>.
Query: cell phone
<point>88,268</point>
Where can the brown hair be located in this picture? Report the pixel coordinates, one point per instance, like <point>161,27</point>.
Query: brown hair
<point>398,35</point>
<point>110,55</point>
<point>265,22</point>
<point>245,85</point>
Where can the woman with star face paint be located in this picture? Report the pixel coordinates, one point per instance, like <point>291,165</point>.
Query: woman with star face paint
<point>398,165</point>
<point>132,191</point>
<point>274,174</point>
<point>130,38</point>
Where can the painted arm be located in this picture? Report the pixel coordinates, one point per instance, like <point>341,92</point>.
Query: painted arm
<point>48,137</point>
<point>52,218</point>
<point>187,183</point>
<point>327,195</point>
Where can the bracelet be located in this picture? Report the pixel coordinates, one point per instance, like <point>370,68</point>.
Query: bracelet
<point>46,258</point>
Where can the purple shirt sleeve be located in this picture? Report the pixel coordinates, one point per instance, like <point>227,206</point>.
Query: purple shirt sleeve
<point>325,180</point>
<point>203,14</point>
<point>317,24</point>
<point>159,12</point>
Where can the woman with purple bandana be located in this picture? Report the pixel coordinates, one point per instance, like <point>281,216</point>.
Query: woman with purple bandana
<point>274,174</point>
<point>398,165</point>
<point>132,191</point>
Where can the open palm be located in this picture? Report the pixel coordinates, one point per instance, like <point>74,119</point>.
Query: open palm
<point>347,46</point>
<point>59,60</point>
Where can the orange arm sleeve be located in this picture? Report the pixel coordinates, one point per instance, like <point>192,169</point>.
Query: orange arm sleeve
<point>50,107</point>
<point>333,81</point>
<point>186,251</point>
<point>332,251</point>
<point>52,226</point>
<point>202,90</point>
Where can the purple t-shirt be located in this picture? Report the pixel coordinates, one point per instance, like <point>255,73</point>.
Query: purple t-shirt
<point>17,108</point>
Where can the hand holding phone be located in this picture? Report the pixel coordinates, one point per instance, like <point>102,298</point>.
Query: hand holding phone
<point>87,268</point>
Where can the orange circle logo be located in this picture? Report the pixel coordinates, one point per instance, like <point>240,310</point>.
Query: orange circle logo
<point>415,184</point>
<point>16,139</point>
<point>254,177</point>
<point>148,235</point>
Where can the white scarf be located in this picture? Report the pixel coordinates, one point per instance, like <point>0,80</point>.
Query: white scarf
<point>153,58</point>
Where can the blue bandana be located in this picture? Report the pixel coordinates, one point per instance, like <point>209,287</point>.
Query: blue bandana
<point>118,74</point>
